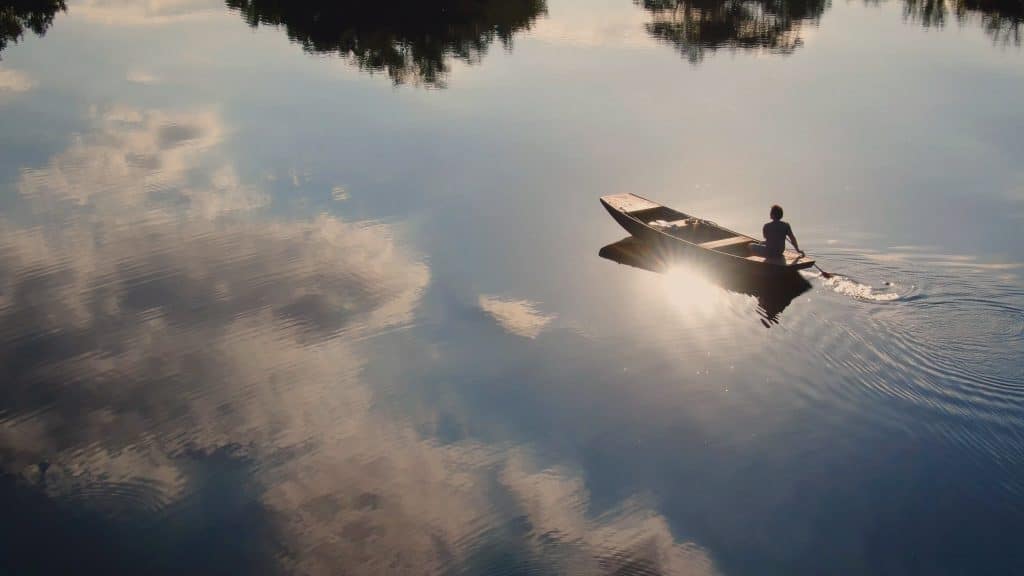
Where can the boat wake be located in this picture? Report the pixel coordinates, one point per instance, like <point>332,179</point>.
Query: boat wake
<point>865,292</point>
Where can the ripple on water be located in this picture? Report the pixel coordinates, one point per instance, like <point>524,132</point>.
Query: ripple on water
<point>971,347</point>
<point>950,345</point>
<point>133,497</point>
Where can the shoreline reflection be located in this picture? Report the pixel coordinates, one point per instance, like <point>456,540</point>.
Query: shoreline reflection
<point>695,27</point>
<point>1001,19</point>
<point>773,296</point>
<point>412,42</point>
<point>34,15</point>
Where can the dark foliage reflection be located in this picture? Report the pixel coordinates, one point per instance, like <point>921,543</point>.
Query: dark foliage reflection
<point>16,16</point>
<point>695,27</point>
<point>411,40</point>
<point>1001,19</point>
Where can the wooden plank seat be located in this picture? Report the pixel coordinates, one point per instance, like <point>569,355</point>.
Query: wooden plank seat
<point>788,258</point>
<point>725,242</point>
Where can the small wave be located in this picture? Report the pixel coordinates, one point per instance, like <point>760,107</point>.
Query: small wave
<point>122,498</point>
<point>866,292</point>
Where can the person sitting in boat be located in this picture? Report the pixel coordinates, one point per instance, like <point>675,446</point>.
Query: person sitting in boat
<point>775,234</point>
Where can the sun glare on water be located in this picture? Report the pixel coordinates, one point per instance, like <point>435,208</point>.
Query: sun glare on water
<point>691,294</point>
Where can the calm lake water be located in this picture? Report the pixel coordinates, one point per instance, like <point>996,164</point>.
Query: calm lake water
<point>325,288</point>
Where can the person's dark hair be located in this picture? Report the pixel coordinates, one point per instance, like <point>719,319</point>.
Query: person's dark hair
<point>776,212</point>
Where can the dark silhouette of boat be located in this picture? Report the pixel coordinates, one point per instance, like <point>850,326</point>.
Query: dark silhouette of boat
<point>773,294</point>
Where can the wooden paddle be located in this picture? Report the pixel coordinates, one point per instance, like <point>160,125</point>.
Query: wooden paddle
<point>825,275</point>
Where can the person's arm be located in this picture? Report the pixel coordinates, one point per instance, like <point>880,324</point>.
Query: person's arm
<point>792,238</point>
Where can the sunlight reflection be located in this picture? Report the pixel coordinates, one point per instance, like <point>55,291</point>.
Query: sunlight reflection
<point>691,293</point>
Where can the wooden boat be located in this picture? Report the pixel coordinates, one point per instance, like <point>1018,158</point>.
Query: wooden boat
<point>682,235</point>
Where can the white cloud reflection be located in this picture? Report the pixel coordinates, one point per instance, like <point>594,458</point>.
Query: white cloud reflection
<point>144,12</point>
<point>142,77</point>
<point>166,314</point>
<point>143,161</point>
<point>16,81</point>
<point>520,317</point>
<point>630,539</point>
<point>590,26</point>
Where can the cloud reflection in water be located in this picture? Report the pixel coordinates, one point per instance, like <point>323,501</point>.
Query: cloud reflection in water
<point>152,311</point>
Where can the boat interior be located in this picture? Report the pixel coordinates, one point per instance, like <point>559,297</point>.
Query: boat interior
<point>702,232</point>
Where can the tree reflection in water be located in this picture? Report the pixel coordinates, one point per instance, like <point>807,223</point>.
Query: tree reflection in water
<point>1001,19</point>
<point>695,27</point>
<point>411,40</point>
<point>19,15</point>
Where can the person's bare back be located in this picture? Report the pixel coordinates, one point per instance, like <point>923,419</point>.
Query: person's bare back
<point>775,234</point>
